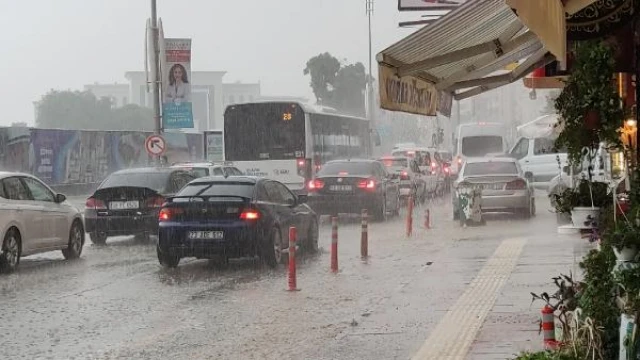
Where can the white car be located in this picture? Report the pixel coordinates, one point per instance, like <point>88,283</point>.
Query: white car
<point>210,168</point>
<point>34,219</point>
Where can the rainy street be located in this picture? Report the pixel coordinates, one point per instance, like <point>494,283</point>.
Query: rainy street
<point>118,302</point>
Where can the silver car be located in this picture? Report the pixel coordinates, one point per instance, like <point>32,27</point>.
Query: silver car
<point>34,219</point>
<point>504,186</point>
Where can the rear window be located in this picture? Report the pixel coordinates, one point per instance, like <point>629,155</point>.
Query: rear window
<point>153,180</point>
<point>395,163</point>
<point>491,168</point>
<point>226,188</point>
<point>478,146</point>
<point>347,168</point>
<point>445,156</point>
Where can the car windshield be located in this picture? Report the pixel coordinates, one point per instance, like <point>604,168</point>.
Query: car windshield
<point>152,180</point>
<point>197,171</point>
<point>395,165</point>
<point>222,188</point>
<point>491,168</point>
<point>347,168</point>
<point>479,146</point>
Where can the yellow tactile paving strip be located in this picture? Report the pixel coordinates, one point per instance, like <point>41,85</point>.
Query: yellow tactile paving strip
<point>453,336</point>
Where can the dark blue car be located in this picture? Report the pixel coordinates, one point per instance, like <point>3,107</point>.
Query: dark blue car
<point>234,217</point>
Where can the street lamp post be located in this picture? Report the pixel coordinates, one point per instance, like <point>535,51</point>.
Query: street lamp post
<point>156,68</point>
<point>370,94</point>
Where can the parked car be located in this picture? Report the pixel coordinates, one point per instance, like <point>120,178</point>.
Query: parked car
<point>412,181</point>
<point>538,157</point>
<point>348,186</point>
<point>200,169</point>
<point>234,217</point>
<point>35,219</point>
<point>504,186</point>
<point>127,202</point>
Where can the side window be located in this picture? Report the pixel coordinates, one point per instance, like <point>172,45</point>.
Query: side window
<point>15,190</point>
<point>379,171</point>
<point>521,149</point>
<point>273,193</point>
<point>286,195</point>
<point>262,193</point>
<point>39,192</point>
<point>179,180</point>
<point>217,172</point>
<point>234,171</point>
<point>2,194</point>
<point>426,159</point>
<point>414,167</point>
<point>543,146</point>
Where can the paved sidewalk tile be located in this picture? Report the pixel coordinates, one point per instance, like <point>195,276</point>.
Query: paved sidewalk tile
<point>512,325</point>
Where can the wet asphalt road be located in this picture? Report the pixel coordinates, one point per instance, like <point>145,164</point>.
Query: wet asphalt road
<point>116,302</point>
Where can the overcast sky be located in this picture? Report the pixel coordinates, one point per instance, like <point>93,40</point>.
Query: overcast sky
<point>65,44</point>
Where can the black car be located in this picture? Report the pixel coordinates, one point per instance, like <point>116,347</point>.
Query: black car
<point>234,217</point>
<point>349,186</point>
<point>128,201</point>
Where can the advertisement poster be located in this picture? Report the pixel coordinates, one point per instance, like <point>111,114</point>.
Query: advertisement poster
<point>177,111</point>
<point>215,146</point>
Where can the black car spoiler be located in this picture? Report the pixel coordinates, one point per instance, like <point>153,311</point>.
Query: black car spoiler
<point>205,197</point>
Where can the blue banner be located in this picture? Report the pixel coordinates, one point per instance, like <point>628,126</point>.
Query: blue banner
<point>177,115</point>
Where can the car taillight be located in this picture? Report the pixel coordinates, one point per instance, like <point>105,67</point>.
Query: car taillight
<point>155,202</point>
<point>250,215</point>
<point>446,169</point>
<point>166,214</point>
<point>516,185</point>
<point>404,175</point>
<point>459,160</point>
<point>93,203</point>
<point>433,164</point>
<point>369,184</point>
<point>315,185</point>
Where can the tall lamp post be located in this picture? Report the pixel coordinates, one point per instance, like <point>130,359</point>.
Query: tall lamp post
<point>155,51</point>
<point>370,94</point>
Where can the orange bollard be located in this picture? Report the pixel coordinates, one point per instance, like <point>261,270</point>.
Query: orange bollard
<point>410,216</point>
<point>334,244</point>
<point>549,328</point>
<point>292,259</point>
<point>427,219</point>
<point>364,239</point>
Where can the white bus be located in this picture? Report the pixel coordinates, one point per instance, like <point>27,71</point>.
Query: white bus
<point>289,141</point>
<point>478,140</point>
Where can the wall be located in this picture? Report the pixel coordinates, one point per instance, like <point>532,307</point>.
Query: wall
<point>61,157</point>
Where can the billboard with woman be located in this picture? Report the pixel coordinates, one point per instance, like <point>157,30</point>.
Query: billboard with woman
<point>177,111</point>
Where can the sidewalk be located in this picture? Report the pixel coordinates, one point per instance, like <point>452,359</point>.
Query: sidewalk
<point>512,324</point>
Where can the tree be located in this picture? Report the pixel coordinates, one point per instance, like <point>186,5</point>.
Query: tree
<point>338,85</point>
<point>550,107</point>
<point>81,110</point>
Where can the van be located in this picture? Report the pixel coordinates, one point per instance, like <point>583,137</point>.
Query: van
<point>538,157</point>
<point>425,159</point>
<point>478,140</point>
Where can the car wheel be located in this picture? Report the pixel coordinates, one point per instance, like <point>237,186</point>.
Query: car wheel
<point>10,251</point>
<point>311,246</point>
<point>381,212</point>
<point>167,258</point>
<point>76,241</point>
<point>98,238</point>
<point>272,251</point>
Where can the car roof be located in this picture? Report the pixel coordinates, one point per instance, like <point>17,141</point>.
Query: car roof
<point>393,158</point>
<point>201,164</point>
<point>6,174</point>
<point>146,170</point>
<point>248,179</point>
<point>371,161</point>
<point>490,159</point>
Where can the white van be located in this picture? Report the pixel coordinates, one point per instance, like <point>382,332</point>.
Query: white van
<point>478,140</point>
<point>537,156</point>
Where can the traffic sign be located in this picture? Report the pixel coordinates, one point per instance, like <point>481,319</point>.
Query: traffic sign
<point>155,145</point>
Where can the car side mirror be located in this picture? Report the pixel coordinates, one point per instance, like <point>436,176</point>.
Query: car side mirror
<point>291,202</point>
<point>60,198</point>
<point>529,176</point>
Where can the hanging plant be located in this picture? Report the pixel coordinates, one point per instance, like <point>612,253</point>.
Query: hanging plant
<point>589,105</point>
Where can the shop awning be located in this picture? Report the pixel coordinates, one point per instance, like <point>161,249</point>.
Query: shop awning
<point>456,56</point>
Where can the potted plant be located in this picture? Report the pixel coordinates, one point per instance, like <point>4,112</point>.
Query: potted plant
<point>585,201</point>
<point>624,238</point>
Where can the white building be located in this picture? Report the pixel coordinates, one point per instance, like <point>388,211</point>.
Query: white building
<point>209,95</point>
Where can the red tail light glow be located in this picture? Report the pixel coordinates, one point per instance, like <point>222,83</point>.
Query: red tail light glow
<point>155,202</point>
<point>516,185</point>
<point>93,203</point>
<point>343,173</point>
<point>446,170</point>
<point>404,175</point>
<point>315,185</point>
<point>433,164</point>
<point>459,160</point>
<point>301,162</point>
<point>166,214</point>
<point>367,184</point>
<point>250,215</point>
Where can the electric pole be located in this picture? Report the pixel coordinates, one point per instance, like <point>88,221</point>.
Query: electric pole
<point>370,94</point>
<point>156,70</point>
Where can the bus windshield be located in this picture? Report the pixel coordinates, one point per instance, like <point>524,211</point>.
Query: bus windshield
<point>269,131</point>
<point>478,146</point>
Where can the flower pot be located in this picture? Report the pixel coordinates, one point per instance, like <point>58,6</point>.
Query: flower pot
<point>580,216</point>
<point>626,253</point>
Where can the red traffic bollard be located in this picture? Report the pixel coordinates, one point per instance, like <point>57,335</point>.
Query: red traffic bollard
<point>364,239</point>
<point>549,328</point>
<point>427,219</point>
<point>334,244</point>
<point>292,259</point>
<point>410,216</point>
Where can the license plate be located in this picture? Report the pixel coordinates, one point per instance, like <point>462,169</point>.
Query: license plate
<point>206,235</point>
<point>124,205</point>
<point>341,187</point>
<point>498,186</point>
